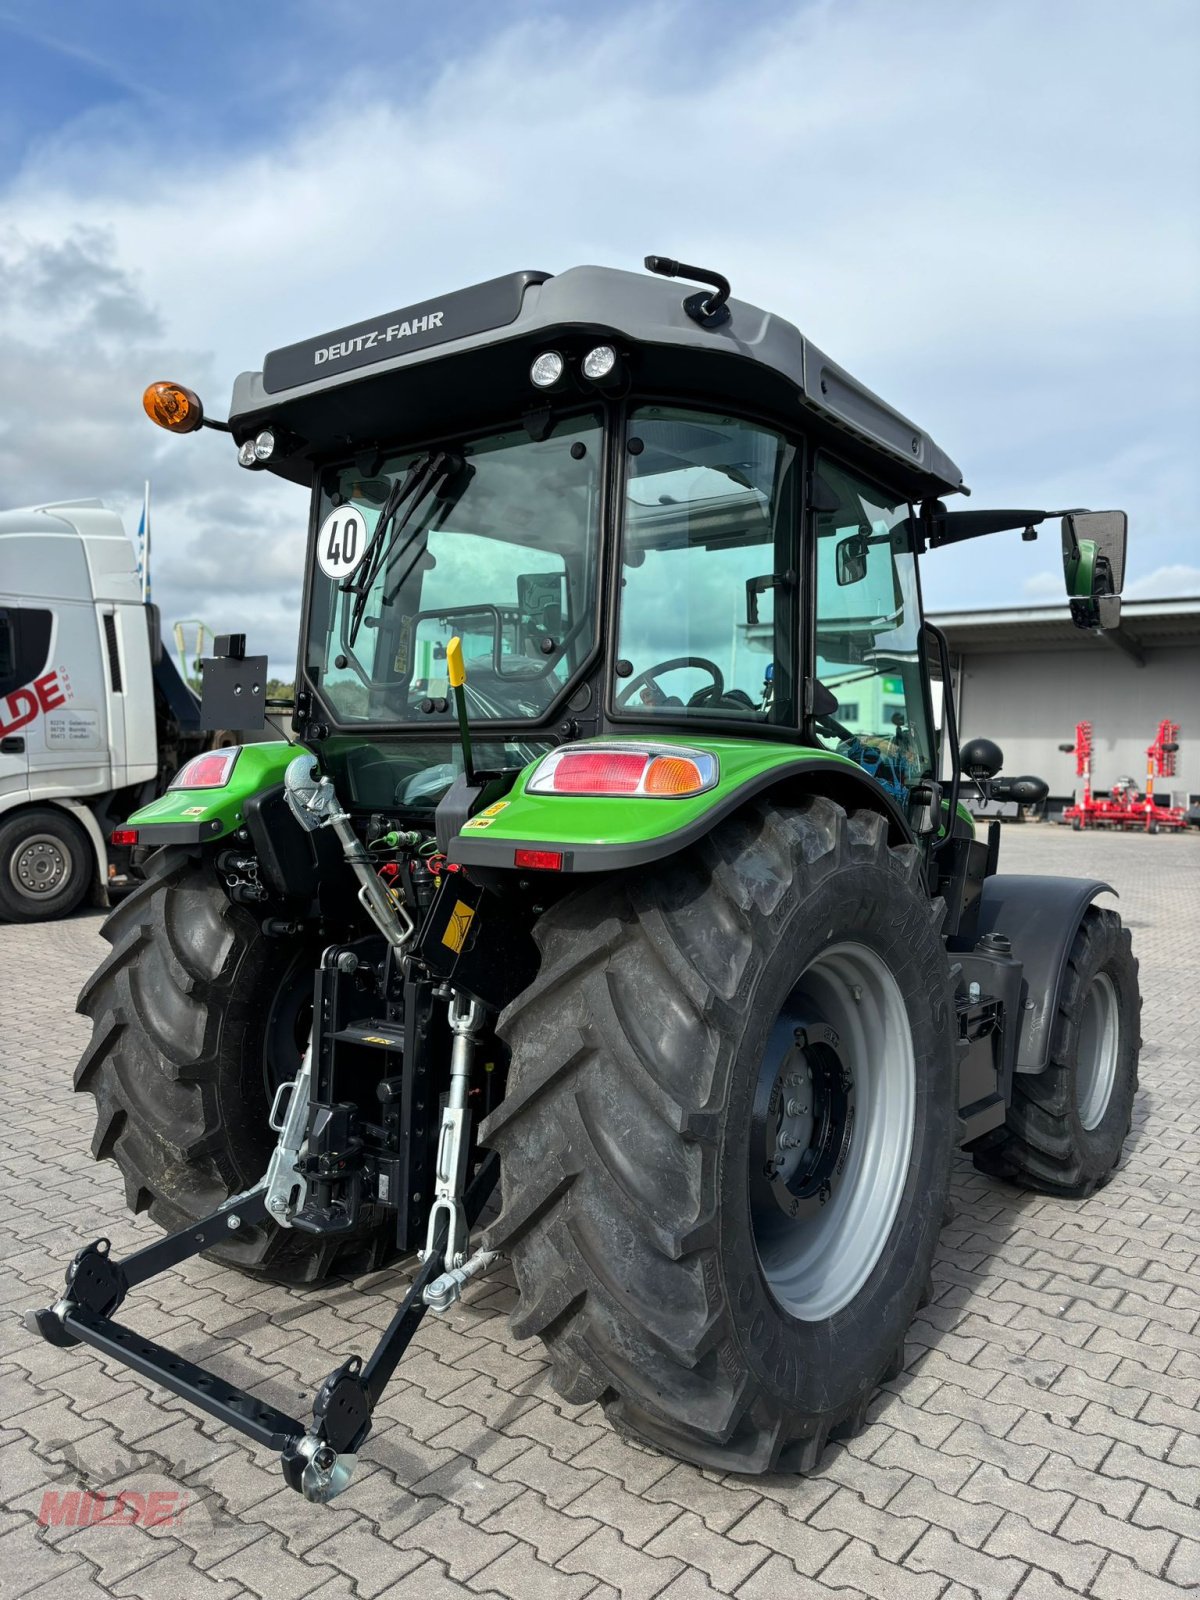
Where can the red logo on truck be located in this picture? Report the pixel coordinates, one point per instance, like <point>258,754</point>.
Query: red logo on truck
<point>46,693</point>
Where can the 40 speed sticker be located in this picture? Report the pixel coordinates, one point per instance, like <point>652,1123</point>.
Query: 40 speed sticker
<point>341,541</point>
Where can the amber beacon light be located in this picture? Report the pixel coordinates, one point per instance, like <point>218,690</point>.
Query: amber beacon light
<point>173,407</point>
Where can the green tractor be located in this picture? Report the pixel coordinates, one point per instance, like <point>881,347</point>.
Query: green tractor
<point>612,857</point>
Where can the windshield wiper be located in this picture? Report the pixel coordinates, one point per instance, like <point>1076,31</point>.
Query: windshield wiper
<point>418,483</point>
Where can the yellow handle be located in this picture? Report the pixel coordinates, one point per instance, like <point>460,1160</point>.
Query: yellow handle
<point>455,670</point>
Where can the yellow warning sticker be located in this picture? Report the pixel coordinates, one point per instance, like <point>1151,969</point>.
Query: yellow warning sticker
<point>194,811</point>
<point>494,809</point>
<point>479,822</point>
<point>459,925</point>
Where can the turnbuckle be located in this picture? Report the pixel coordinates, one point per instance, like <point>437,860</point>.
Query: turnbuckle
<point>454,1142</point>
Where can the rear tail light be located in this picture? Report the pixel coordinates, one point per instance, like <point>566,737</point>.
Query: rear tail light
<point>123,836</point>
<point>646,771</point>
<point>598,772</point>
<point>673,775</point>
<point>212,770</point>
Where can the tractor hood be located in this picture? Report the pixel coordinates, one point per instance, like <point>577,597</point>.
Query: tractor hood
<point>431,367</point>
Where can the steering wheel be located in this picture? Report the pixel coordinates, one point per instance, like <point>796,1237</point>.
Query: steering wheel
<point>651,673</point>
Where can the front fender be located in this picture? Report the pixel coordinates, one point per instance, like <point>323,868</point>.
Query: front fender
<point>1041,917</point>
<point>613,833</point>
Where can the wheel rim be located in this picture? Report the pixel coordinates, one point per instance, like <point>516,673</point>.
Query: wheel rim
<point>1096,1061</point>
<point>832,1131</point>
<point>41,867</point>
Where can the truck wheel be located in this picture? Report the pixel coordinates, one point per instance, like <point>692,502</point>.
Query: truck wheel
<point>1066,1126</point>
<point>196,1016</point>
<point>726,1140</point>
<point>46,865</point>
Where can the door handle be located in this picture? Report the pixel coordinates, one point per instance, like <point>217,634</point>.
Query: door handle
<point>12,745</point>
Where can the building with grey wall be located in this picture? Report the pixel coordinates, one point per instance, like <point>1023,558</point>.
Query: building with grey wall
<point>1024,677</point>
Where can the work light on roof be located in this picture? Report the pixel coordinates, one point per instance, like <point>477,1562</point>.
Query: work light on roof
<point>599,363</point>
<point>246,455</point>
<point>264,444</point>
<point>546,370</point>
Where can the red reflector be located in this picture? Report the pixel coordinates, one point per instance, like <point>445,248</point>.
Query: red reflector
<point>599,772</point>
<point>123,836</point>
<point>540,860</point>
<point>209,771</point>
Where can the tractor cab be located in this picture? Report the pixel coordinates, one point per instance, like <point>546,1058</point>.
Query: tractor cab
<point>647,514</point>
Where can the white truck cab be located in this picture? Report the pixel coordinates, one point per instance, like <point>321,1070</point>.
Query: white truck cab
<point>93,716</point>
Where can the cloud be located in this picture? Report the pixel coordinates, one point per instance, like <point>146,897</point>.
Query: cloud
<point>1003,257</point>
<point>1166,583</point>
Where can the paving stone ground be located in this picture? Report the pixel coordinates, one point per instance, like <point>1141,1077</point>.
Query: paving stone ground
<point>1043,1441</point>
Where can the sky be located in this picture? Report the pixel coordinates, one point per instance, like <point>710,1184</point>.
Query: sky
<point>989,213</point>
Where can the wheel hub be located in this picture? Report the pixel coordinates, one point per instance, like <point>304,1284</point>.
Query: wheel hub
<point>828,1154</point>
<point>806,1126</point>
<point>41,867</point>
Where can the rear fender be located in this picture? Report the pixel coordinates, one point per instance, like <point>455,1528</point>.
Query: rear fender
<point>614,833</point>
<point>194,816</point>
<point>1040,916</point>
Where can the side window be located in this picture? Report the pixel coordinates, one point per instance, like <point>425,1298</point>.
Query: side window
<point>24,646</point>
<point>868,630</point>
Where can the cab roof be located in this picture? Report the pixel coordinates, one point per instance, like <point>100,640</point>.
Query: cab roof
<point>416,369</point>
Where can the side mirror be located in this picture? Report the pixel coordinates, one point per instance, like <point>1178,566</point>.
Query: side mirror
<point>1093,546</point>
<point>850,559</point>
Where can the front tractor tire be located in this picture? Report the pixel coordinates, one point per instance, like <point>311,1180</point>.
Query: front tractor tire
<point>726,1141</point>
<point>196,1014</point>
<point>1066,1126</point>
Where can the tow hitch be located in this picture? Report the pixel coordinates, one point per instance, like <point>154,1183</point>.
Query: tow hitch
<point>317,1457</point>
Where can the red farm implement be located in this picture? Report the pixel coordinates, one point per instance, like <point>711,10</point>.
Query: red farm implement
<point>1123,807</point>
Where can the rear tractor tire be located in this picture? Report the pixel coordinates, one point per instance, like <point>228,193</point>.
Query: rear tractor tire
<point>1066,1126</point>
<point>726,1141</point>
<point>196,1016</point>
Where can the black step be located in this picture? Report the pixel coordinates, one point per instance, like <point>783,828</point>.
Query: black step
<point>375,1035</point>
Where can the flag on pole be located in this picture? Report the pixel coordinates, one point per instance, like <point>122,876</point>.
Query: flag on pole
<point>144,544</point>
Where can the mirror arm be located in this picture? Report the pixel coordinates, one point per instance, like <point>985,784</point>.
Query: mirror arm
<point>941,527</point>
